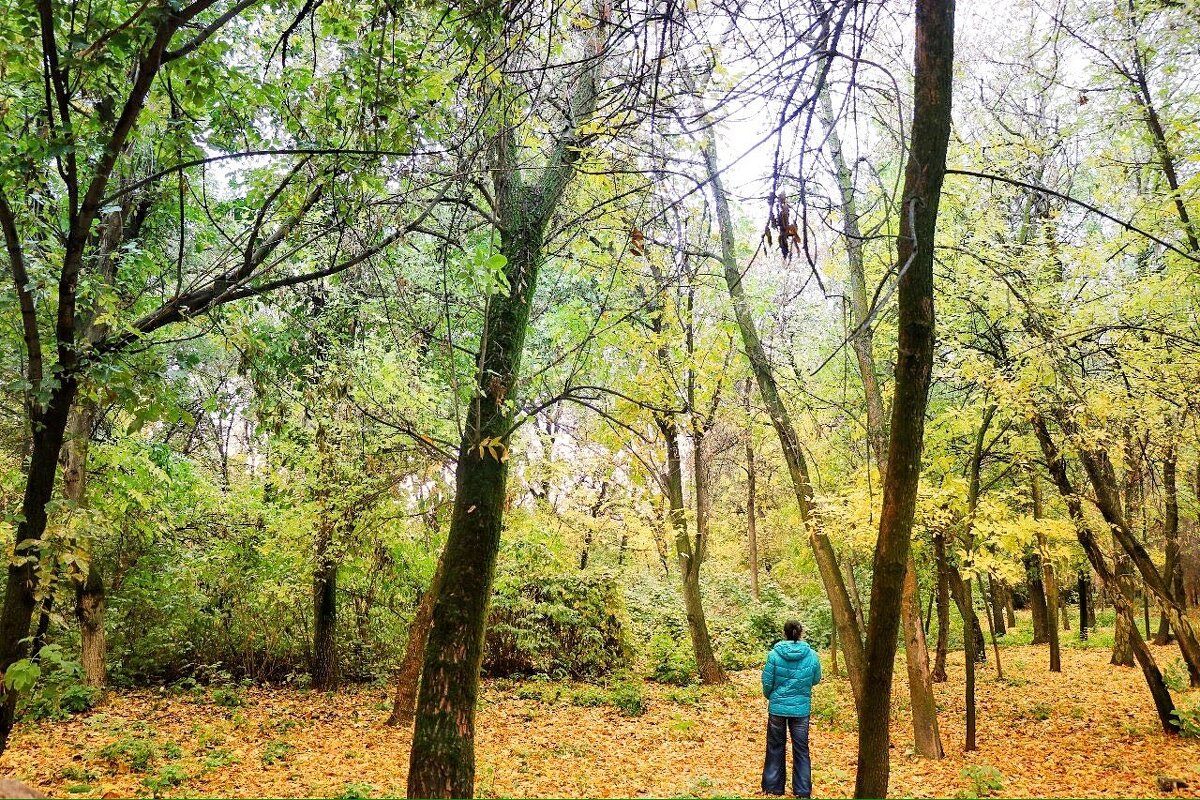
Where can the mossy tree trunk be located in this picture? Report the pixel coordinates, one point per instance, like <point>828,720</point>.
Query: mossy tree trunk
<point>442,757</point>
<point>933,69</point>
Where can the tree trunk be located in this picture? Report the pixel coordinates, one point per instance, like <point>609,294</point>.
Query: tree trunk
<point>752,508</point>
<point>926,735</point>
<point>1171,536</point>
<point>990,613</point>
<point>849,631</point>
<point>1049,582</point>
<point>1037,597</point>
<point>971,650</point>
<point>930,133</point>
<point>1010,613</point>
<point>943,609</point>
<point>408,676</point>
<point>90,599</point>
<point>442,757</point>
<point>1057,466</point>
<point>324,670</point>
<point>691,553</point>
<point>998,628</point>
<point>1122,652</point>
<point>48,432</point>
<point>1101,475</point>
<point>959,592</point>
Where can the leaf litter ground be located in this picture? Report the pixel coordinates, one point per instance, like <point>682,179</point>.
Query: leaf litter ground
<point>1087,732</point>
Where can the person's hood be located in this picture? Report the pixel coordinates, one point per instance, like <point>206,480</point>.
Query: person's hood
<point>793,651</point>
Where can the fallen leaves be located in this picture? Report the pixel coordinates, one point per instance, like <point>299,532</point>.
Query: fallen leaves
<point>1088,732</point>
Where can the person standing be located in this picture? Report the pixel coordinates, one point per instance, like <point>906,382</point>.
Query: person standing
<point>792,669</point>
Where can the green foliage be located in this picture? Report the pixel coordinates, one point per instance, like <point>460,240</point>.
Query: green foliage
<point>138,753</point>
<point>985,781</point>
<point>558,625</point>
<point>276,751</point>
<point>671,661</point>
<point>356,791</point>
<point>1188,718</point>
<point>167,777</point>
<point>1039,711</point>
<point>1175,676</point>
<point>57,689</point>
<point>628,698</point>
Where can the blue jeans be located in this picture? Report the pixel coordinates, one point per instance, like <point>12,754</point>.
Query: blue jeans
<point>773,768</point>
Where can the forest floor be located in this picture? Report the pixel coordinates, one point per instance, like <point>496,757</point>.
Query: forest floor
<point>1089,731</point>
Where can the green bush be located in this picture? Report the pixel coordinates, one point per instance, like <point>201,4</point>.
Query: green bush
<point>57,689</point>
<point>627,696</point>
<point>1189,720</point>
<point>558,625</point>
<point>168,777</point>
<point>138,754</point>
<point>985,780</point>
<point>671,661</point>
<point>1175,676</point>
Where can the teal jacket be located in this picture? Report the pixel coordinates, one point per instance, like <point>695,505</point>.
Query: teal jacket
<point>792,670</point>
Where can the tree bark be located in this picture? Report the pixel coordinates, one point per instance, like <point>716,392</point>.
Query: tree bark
<point>442,757</point>
<point>849,631</point>
<point>751,503</point>
<point>943,609</point>
<point>48,432</point>
<point>933,78</point>
<point>90,598</point>
<point>997,603</point>
<point>1048,580</point>
<point>691,553</point>
<point>1057,467</point>
<point>1171,538</point>
<point>408,676</point>
<point>324,671</point>
<point>926,736</point>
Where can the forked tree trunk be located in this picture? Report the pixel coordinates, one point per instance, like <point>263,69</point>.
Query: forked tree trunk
<point>689,552</point>
<point>442,757</point>
<point>408,675</point>
<point>849,632</point>
<point>932,83</point>
<point>1057,466</point>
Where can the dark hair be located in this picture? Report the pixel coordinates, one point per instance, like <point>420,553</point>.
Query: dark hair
<point>793,630</point>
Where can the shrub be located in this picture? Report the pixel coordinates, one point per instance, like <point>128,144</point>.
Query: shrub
<point>671,661</point>
<point>138,753</point>
<point>1189,720</point>
<point>55,686</point>
<point>356,791</point>
<point>1175,676</point>
<point>627,696</point>
<point>276,751</point>
<point>985,780</point>
<point>168,777</point>
<point>558,625</point>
